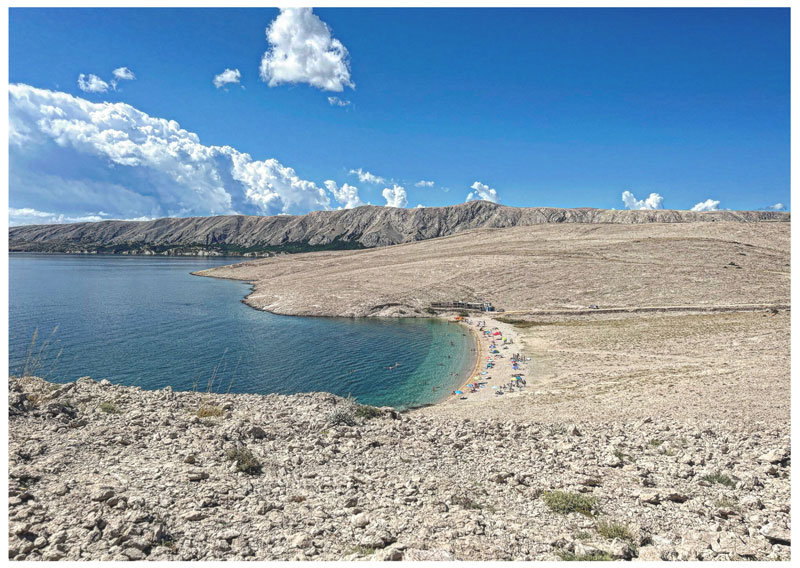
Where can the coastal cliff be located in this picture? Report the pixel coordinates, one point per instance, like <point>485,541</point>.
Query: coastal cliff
<point>106,472</point>
<point>363,227</point>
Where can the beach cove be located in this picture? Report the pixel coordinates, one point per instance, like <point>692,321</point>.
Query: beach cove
<point>148,322</point>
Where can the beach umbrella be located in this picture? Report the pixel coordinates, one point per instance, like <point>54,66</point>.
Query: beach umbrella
<point>459,392</point>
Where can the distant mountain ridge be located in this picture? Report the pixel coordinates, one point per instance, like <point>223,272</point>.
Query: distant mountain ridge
<point>362,227</point>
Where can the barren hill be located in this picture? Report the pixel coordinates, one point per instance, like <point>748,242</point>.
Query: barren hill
<point>548,266</point>
<point>367,226</point>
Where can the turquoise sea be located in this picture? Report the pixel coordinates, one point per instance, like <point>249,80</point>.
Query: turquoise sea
<point>147,321</point>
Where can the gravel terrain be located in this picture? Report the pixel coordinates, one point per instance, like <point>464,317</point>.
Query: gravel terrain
<point>106,472</point>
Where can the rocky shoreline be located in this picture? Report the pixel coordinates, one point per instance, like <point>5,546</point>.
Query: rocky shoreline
<point>105,472</point>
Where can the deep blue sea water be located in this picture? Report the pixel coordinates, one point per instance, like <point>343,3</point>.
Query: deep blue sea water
<point>147,321</point>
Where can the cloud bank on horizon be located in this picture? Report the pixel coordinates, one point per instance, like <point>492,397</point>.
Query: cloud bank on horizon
<point>113,157</point>
<point>109,160</point>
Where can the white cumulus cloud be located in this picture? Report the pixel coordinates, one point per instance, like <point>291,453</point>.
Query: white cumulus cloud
<point>302,50</point>
<point>776,207</point>
<point>653,201</point>
<point>347,195</point>
<point>423,183</point>
<point>227,77</point>
<point>707,205</point>
<point>366,177</point>
<point>395,196</point>
<point>92,84</point>
<point>336,101</point>
<point>123,74</point>
<point>484,192</point>
<point>151,164</point>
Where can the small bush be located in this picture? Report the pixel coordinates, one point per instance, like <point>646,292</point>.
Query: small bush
<point>209,410</point>
<point>245,460</point>
<point>564,502</point>
<point>109,408</point>
<point>616,530</point>
<point>593,556</point>
<point>719,477</point>
<point>655,442</point>
<point>361,551</point>
<point>342,416</point>
<point>726,503</point>
<point>367,411</point>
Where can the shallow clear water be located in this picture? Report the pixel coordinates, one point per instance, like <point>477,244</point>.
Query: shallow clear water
<point>146,321</point>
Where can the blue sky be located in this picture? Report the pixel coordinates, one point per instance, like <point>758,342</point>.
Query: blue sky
<point>528,107</point>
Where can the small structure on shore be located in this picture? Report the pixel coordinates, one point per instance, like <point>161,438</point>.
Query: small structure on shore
<point>468,306</point>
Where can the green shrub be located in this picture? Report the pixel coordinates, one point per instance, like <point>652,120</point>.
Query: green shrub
<point>564,502</point>
<point>109,408</point>
<point>611,531</point>
<point>367,411</point>
<point>719,477</point>
<point>245,460</point>
<point>342,415</point>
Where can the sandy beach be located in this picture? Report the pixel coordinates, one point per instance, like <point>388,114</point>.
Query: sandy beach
<point>493,372</point>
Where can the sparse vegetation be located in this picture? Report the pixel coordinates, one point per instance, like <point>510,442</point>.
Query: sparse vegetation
<point>611,530</point>
<point>208,410</point>
<point>39,359</point>
<point>719,477</point>
<point>367,411</point>
<point>360,550</point>
<point>726,503</point>
<point>342,416</point>
<point>655,442</point>
<point>109,407</point>
<point>246,462</point>
<point>35,399</point>
<point>564,554</point>
<point>347,411</point>
<point>467,502</point>
<point>565,502</point>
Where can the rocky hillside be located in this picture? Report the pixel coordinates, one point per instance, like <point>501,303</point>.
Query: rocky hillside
<point>105,472</point>
<point>367,226</point>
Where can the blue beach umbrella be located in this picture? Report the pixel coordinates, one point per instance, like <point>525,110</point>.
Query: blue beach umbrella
<point>459,392</point>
